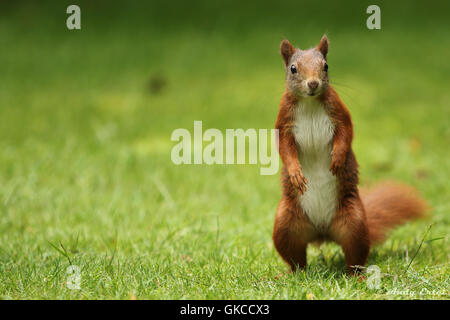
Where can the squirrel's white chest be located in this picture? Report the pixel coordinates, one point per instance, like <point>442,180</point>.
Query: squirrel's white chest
<point>313,131</point>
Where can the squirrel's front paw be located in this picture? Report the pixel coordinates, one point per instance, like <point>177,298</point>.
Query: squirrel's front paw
<point>337,161</point>
<point>298,180</point>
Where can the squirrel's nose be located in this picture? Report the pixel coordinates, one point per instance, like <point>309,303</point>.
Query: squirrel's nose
<point>313,85</point>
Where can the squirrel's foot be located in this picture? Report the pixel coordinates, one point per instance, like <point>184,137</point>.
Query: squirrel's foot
<point>298,180</point>
<point>337,161</point>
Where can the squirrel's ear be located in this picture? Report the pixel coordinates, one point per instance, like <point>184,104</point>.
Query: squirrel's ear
<point>287,50</point>
<point>323,46</point>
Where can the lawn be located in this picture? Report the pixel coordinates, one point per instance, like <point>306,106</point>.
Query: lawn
<point>86,177</point>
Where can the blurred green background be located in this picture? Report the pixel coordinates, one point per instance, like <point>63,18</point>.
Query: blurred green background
<point>85,124</point>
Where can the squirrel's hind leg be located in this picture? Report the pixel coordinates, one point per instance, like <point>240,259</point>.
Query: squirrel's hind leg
<point>289,235</point>
<point>351,233</point>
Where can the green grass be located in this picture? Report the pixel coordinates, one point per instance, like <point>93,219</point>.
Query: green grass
<point>85,172</point>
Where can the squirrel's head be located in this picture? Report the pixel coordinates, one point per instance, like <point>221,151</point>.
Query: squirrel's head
<point>306,70</point>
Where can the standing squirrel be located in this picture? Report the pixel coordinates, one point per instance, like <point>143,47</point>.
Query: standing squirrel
<point>320,198</point>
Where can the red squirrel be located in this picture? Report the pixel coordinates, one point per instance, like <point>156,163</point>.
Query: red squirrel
<point>320,198</point>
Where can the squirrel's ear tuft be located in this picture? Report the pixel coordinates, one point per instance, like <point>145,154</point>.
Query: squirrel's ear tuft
<point>287,50</point>
<point>323,46</point>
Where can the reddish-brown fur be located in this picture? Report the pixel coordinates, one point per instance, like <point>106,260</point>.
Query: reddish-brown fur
<point>389,204</point>
<point>359,221</point>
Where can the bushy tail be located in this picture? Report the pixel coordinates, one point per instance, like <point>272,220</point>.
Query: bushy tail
<point>388,205</point>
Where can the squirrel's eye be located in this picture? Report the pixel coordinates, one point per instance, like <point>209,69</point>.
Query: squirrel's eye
<point>325,68</point>
<point>293,69</point>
